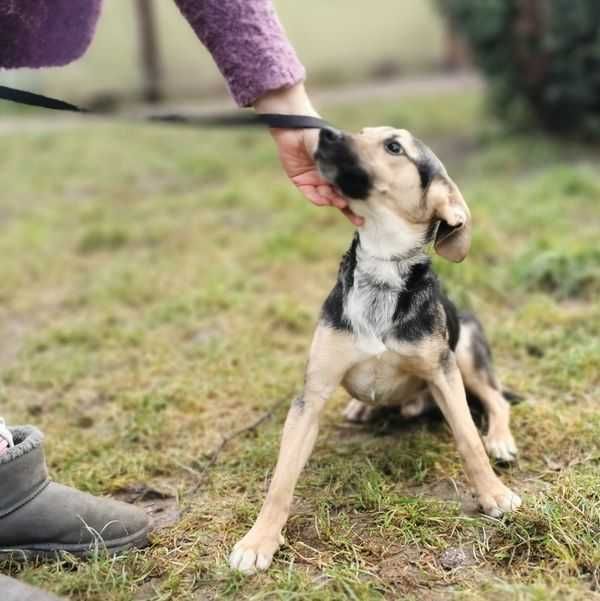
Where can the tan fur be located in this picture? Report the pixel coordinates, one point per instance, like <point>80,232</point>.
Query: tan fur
<point>498,441</point>
<point>332,354</point>
<point>398,190</point>
<point>453,237</point>
<point>449,393</point>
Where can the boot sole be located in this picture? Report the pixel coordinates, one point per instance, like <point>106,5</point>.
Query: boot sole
<point>41,551</point>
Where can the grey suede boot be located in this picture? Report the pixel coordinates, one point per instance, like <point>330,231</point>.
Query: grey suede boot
<point>40,518</point>
<point>13,590</point>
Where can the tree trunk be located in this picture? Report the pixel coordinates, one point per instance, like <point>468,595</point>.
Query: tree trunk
<point>456,52</point>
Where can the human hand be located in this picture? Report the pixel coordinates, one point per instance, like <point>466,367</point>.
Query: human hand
<point>296,148</point>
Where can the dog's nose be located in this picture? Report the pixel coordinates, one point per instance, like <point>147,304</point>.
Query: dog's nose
<point>329,135</point>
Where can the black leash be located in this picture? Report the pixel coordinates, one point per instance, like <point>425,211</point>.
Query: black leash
<point>242,119</point>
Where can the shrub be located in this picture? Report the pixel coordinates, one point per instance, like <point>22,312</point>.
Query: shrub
<point>542,58</point>
<point>562,273</point>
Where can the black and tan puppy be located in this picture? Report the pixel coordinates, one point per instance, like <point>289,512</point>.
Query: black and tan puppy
<point>387,332</point>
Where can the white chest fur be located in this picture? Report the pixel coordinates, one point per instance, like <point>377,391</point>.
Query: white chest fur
<point>371,303</point>
<point>388,249</point>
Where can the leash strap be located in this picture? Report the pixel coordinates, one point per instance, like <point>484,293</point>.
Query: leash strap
<point>273,120</point>
<point>31,99</point>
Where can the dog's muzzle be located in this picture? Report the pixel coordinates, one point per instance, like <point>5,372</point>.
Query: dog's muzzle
<point>330,146</point>
<point>329,136</point>
<point>339,164</point>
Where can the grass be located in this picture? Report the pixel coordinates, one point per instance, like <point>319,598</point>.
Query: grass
<point>158,290</point>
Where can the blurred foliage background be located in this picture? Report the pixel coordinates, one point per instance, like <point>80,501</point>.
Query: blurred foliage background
<point>541,56</point>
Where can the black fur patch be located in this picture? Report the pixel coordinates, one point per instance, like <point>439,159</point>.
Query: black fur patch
<point>332,312</point>
<point>427,163</point>
<point>452,321</point>
<point>354,182</point>
<point>416,312</point>
<point>512,397</point>
<point>482,354</point>
<point>426,173</point>
<point>351,178</point>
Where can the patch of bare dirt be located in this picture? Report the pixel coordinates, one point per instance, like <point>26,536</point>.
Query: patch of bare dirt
<point>447,490</point>
<point>161,507</point>
<point>12,334</point>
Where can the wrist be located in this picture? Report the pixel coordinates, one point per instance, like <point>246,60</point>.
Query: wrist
<point>291,101</point>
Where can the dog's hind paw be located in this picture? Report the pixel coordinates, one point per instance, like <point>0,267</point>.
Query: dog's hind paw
<point>501,448</point>
<point>357,412</point>
<point>500,501</point>
<point>254,552</point>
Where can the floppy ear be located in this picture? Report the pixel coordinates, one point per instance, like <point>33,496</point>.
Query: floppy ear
<point>453,235</point>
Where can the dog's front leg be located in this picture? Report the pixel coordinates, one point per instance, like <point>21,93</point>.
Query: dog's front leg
<point>332,354</point>
<point>448,391</point>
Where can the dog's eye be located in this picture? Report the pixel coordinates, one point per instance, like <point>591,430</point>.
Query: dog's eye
<point>394,147</point>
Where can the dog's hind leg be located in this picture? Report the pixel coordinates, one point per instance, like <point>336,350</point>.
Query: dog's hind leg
<point>332,354</point>
<point>448,391</point>
<point>475,363</point>
<point>499,441</point>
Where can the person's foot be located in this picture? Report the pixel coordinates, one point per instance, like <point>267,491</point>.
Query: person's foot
<point>40,518</point>
<point>13,590</point>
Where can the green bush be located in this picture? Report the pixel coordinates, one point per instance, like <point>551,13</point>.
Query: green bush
<point>542,58</point>
<point>573,273</point>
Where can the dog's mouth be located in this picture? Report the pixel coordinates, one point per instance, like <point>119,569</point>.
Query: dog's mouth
<point>340,165</point>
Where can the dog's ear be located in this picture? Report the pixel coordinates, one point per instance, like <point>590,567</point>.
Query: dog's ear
<point>446,204</point>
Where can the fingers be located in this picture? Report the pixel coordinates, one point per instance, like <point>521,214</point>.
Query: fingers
<point>322,195</point>
<point>296,149</point>
<point>326,197</point>
<point>355,219</point>
<point>326,194</point>
<point>312,193</point>
<point>326,191</point>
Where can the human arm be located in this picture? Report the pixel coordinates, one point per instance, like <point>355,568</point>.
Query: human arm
<point>296,148</point>
<point>262,70</point>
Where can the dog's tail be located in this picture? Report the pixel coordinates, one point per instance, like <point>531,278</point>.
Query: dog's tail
<point>512,397</point>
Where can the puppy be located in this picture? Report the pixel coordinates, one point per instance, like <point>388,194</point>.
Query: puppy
<point>387,331</point>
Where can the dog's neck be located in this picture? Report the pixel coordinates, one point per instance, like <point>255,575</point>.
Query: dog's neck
<point>388,239</point>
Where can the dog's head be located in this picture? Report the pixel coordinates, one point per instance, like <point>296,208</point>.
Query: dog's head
<point>386,173</point>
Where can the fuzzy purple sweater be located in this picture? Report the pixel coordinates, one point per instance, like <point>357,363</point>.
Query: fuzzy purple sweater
<point>244,37</point>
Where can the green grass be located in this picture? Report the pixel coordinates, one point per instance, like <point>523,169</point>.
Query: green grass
<point>158,290</point>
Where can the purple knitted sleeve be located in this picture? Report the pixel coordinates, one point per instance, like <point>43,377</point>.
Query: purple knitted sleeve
<point>248,44</point>
<point>245,38</point>
<point>44,33</point>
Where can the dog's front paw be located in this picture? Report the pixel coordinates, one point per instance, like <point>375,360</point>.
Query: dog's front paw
<point>254,552</point>
<point>499,500</point>
<point>501,447</point>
